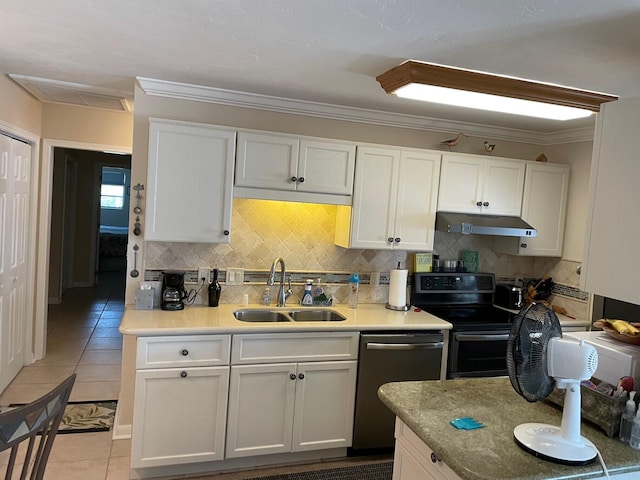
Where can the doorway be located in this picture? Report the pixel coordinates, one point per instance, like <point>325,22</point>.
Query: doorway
<point>89,223</point>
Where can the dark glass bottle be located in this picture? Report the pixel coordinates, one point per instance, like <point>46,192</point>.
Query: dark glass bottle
<point>214,290</point>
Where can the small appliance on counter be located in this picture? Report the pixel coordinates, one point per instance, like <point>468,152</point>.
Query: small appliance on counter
<point>509,296</point>
<point>173,291</point>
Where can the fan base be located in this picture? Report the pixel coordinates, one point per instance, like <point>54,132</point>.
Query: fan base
<point>545,441</point>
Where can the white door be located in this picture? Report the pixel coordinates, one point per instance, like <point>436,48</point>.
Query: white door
<point>15,174</point>
<point>503,185</point>
<point>461,181</point>
<point>179,416</point>
<point>326,167</point>
<point>260,417</point>
<point>325,402</point>
<point>374,198</point>
<point>415,218</point>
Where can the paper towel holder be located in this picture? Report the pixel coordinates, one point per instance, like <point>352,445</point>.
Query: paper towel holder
<point>401,308</point>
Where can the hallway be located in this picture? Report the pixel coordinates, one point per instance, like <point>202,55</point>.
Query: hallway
<point>82,337</point>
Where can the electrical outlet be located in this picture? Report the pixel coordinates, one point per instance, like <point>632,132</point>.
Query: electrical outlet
<point>235,276</point>
<point>204,273</point>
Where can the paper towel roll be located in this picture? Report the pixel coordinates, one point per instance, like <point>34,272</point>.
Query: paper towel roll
<point>398,288</point>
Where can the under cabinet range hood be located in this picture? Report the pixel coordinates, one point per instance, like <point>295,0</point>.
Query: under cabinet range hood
<point>474,224</point>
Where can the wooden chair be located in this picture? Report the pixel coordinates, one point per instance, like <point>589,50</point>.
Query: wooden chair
<point>38,423</point>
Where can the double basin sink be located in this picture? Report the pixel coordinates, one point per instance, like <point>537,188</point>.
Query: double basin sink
<point>300,315</point>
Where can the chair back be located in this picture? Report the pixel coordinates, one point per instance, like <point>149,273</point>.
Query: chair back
<point>35,424</point>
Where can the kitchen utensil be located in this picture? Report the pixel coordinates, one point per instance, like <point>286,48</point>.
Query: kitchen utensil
<point>134,273</point>
<point>137,210</point>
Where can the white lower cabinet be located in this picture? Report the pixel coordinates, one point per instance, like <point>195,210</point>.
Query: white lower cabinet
<point>179,412</point>
<point>293,406</point>
<point>414,460</point>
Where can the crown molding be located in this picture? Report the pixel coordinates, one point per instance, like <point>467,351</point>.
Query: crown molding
<point>198,93</point>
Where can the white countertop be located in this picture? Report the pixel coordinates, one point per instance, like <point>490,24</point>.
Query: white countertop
<point>565,320</point>
<point>201,319</point>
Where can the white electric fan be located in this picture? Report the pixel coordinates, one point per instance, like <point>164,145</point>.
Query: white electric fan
<point>538,360</point>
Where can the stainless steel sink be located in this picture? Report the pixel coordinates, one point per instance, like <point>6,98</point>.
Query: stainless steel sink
<point>261,316</point>
<point>316,316</point>
<point>302,315</point>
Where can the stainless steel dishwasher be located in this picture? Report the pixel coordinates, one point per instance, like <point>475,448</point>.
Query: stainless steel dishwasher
<point>389,357</point>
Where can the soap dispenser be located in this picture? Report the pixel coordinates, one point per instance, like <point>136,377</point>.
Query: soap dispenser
<point>626,421</point>
<point>634,440</point>
<point>307,298</point>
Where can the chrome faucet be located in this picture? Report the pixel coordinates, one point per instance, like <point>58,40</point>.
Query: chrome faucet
<point>282,294</point>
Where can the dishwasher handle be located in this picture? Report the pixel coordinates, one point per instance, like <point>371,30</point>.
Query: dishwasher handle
<point>404,346</point>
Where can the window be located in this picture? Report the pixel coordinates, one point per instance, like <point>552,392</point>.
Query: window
<point>112,196</point>
<point>112,190</point>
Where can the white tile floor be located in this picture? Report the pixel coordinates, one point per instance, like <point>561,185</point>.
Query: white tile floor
<point>83,338</point>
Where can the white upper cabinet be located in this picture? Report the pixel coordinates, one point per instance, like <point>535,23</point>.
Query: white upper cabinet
<point>189,182</point>
<point>394,201</point>
<point>475,184</point>
<point>274,166</point>
<point>611,247</point>
<point>543,207</point>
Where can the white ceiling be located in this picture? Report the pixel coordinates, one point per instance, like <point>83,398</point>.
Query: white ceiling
<point>327,51</point>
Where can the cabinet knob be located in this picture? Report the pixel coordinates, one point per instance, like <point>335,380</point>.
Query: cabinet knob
<point>301,180</point>
<point>434,458</point>
<point>390,239</point>
<point>523,245</point>
<point>478,204</point>
<point>397,239</point>
<point>301,376</point>
<point>485,204</point>
<point>183,374</point>
<point>226,232</point>
<point>292,376</point>
<point>184,352</point>
<point>294,179</point>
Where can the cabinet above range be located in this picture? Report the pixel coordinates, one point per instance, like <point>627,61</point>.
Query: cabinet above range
<point>273,166</point>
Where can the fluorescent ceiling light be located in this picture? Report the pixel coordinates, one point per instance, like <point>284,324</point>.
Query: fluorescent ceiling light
<point>472,89</point>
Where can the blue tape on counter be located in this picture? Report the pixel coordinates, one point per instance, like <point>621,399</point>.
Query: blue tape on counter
<point>466,423</point>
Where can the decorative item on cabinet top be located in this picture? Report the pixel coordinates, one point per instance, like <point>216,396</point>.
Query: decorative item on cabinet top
<point>259,277</point>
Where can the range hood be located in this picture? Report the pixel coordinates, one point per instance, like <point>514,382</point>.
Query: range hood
<point>475,224</point>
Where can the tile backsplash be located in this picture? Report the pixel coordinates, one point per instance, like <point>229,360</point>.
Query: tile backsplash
<point>303,235</point>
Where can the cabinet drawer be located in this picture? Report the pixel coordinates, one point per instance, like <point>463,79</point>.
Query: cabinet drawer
<point>413,444</point>
<point>307,347</point>
<point>183,351</point>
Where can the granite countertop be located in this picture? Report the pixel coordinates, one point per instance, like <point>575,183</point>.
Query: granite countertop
<point>200,319</point>
<point>490,453</point>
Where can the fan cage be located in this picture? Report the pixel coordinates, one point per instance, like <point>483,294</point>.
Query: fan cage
<point>527,351</point>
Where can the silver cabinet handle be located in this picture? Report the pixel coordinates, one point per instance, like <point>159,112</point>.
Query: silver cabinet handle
<point>184,352</point>
<point>301,376</point>
<point>404,346</point>
<point>183,374</point>
<point>301,180</point>
<point>397,239</point>
<point>292,376</point>
<point>481,338</point>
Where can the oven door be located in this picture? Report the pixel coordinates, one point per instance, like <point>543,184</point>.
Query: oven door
<point>478,353</point>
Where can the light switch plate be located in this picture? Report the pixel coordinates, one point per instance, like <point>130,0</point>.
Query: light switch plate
<point>235,276</point>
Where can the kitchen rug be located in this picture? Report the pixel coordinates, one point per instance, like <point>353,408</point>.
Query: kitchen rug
<point>369,471</point>
<point>82,417</point>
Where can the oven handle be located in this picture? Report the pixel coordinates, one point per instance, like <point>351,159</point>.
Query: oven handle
<point>463,337</point>
<point>404,346</point>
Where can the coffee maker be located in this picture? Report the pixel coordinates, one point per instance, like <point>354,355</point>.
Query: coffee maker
<point>173,291</point>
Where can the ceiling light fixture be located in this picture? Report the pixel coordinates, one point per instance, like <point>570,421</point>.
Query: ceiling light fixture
<point>435,83</point>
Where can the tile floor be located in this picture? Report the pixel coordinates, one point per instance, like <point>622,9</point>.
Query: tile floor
<point>83,337</point>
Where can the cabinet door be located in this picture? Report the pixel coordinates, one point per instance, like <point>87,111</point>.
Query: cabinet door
<point>417,196</point>
<point>544,206</point>
<point>261,402</point>
<point>324,405</point>
<point>189,182</point>
<point>326,167</point>
<point>461,181</point>
<point>502,187</point>
<point>172,424</point>
<point>374,198</point>
<point>267,161</point>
